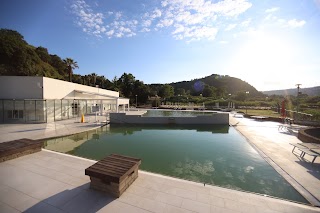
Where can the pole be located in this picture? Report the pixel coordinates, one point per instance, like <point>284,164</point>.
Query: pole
<point>136,101</point>
<point>298,87</point>
<point>247,92</point>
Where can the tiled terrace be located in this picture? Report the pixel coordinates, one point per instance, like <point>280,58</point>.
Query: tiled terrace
<point>53,182</point>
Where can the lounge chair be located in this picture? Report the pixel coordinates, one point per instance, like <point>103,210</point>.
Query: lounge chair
<point>311,149</point>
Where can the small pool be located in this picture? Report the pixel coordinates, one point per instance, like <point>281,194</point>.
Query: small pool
<point>175,113</point>
<point>211,154</point>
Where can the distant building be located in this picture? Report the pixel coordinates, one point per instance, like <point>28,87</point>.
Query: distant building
<point>33,99</point>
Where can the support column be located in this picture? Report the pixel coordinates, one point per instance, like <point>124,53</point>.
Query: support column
<point>117,105</point>
<point>101,107</point>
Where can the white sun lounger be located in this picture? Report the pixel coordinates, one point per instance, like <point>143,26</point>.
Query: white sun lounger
<point>307,148</point>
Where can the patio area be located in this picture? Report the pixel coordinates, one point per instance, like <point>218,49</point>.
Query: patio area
<point>51,182</point>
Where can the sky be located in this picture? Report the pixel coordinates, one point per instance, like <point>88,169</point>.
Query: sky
<point>269,44</point>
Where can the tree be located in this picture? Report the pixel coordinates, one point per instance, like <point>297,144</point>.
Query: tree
<point>94,78</point>
<point>166,91</point>
<point>71,64</point>
<point>88,78</point>
<point>208,91</point>
<point>221,91</point>
<point>181,91</point>
<point>10,42</point>
<point>57,63</point>
<point>14,56</point>
<point>43,54</point>
<point>126,84</point>
<point>240,96</point>
<point>142,91</point>
<point>77,79</point>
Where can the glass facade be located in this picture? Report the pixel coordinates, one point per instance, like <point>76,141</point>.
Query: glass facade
<point>42,111</point>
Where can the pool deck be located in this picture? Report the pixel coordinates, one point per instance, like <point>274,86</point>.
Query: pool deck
<point>273,145</point>
<point>11,132</point>
<point>52,182</point>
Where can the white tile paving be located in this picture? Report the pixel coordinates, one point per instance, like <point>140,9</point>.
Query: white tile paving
<point>275,145</point>
<point>29,188</point>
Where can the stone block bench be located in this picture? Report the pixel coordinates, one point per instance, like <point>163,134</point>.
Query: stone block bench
<point>14,149</point>
<point>113,174</point>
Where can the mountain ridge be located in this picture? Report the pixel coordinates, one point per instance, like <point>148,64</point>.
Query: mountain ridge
<point>224,83</point>
<point>310,91</point>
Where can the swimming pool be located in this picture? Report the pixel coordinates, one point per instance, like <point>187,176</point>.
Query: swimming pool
<point>215,154</point>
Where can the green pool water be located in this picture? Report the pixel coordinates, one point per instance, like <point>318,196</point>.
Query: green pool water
<point>216,155</point>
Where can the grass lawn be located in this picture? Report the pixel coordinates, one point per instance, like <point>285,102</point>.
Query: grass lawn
<point>267,113</point>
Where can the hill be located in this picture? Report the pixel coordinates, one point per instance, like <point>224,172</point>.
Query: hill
<point>17,57</point>
<point>221,83</point>
<point>310,91</point>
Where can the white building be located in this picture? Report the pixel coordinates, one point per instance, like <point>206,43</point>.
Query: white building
<point>28,99</point>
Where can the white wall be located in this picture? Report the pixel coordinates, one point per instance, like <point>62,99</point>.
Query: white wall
<point>21,87</point>
<point>34,87</point>
<point>217,118</point>
<point>57,89</point>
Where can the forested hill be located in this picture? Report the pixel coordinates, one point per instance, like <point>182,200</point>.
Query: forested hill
<point>220,83</point>
<point>17,57</point>
<point>212,86</point>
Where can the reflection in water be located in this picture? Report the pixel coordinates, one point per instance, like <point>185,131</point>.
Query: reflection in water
<point>248,169</point>
<point>211,154</point>
<point>193,170</point>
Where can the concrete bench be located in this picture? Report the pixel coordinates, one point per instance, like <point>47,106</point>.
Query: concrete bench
<point>113,174</point>
<point>14,149</point>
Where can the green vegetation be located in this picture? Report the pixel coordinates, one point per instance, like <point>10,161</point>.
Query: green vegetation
<point>18,58</point>
<point>261,112</point>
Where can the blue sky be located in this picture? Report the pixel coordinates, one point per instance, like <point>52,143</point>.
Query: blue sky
<point>269,44</point>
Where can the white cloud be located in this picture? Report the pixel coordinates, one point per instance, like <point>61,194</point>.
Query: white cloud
<point>197,33</point>
<point>223,42</point>
<point>165,23</point>
<point>156,14</point>
<point>295,23</point>
<point>245,23</point>
<point>197,19</point>
<point>94,23</point>
<point>118,15</point>
<point>272,10</point>
<point>146,23</point>
<point>145,30</point>
<point>230,8</point>
<point>179,29</point>
<point>89,21</point>
<point>230,27</point>
<point>110,33</point>
<point>164,3</point>
<point>274,21</point>
<point>184,19</point>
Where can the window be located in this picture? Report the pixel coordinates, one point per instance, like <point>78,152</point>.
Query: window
<point>15,114</point>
